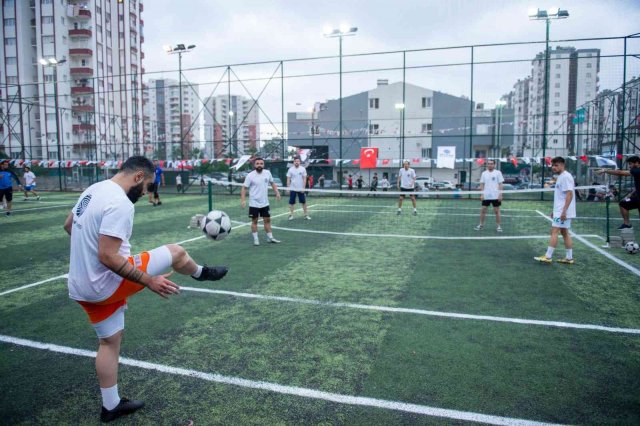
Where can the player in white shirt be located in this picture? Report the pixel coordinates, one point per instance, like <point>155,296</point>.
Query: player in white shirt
<point>564,209</point>
<point>296,180</point>
<point>258,182</point>
<point>407,183</point>
<point>29,183</point>
<point>491,182</point>
<point>103,273</point>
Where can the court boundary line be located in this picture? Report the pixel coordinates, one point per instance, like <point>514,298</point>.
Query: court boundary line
<point>285,389</point>
<point>13,290</point>
<point>598,249</point>
<point>556,324</point>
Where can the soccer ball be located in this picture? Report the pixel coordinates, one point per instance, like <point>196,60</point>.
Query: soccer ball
<point>216,225</point>
<point>632,247</point>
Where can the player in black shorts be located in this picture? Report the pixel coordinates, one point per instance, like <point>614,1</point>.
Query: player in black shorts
<point>631,201</point>
<point>6,186</point>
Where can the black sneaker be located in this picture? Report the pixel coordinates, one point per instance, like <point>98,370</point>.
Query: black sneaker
<point>159,203</point>
<point>8,213</point>
<point>212,273</point>
<point>123,408</point>
<point>625,226</point>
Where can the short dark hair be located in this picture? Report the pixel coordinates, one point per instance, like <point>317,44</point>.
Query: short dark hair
<point>258,159</point>
<point>556,160</point>
<point>136,163</point>
<point>633,159</point>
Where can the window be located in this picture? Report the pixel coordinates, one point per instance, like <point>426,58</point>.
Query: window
<point>62,21</point>
<point>426,102</point>
<point>47,39</point>
<point>557,85</point>
<point>589,64</point>
<point>588,75</point>
<point>11,60</point>
<point>556,95</point>
<point>10,22</point>
<point>51,116</point>
<point>373,102</point>
<point>12,79</point>
<point>558,66</point>
<point>426,152</point>
<point>10,41</point>
<point>427,128</point>
<point>48,78</point>
<point>374,129</point>
<point>46,2</point>
<point>557,75</point>
<point>47,19</point>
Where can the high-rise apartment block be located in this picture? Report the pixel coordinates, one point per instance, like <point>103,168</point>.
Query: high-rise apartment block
<point>231,126</point>
<point>162,136</point>
<point>98,47</point>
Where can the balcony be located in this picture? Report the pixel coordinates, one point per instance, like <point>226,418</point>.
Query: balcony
<point>84,13</point>
<point>141,7</point>
<point>83,127</point>
<point>80,52</point>
<point>82,108</point>
<point>80,33</point>
<point>82,90</point>
<point>78,71</point>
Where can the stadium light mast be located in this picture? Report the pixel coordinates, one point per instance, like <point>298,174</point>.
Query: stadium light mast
<point>55,63</point>
<point>547,16</point>
<point>400,107</point>
<point>179,49</point>
<point>344,31</point>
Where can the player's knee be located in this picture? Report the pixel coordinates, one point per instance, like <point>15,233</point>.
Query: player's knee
<point>177,252</point>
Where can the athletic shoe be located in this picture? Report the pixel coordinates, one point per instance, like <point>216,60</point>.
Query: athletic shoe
<point>274,241</point>
<point>290,217</point>
<point>307,217</point>
<point>415,213</point>
<point>25,199</point>
<point>123,408</point>
<point>38,198</point>
<point>478,228</point>
<point>212,273</point>
<point>543,259</point>
<point>625,226</point>
<point>399,212</point>
<point>256,242</point>
<point>566,261</point>
<point>499,229</point>
<point>159,203</point>
<point>8,213</point>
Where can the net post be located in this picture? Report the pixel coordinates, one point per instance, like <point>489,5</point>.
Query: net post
<point>210,190</point>
<point>607,203</point>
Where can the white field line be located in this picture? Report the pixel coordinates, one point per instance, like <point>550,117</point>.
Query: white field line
<point>558,324</point>
<point>42,208</point>
<point>284,389</point>
<point>59,277</point>
<point>598,249</point>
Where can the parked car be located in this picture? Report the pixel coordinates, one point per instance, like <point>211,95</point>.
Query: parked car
<point>424,182</point>
<point>331,184</point>
<point>507,187</point>
<point>471,186</point>
<point>278,182</point>
<point>446,184</point>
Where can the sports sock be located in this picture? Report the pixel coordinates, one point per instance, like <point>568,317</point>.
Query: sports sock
<point>399,209</point>
<point>255,236</point>
<point>269,234</point>
<point>198,272</point>
<point>549,253</point>
<point>415,210</point>
<point>569,253</point>
<point>110,397</point>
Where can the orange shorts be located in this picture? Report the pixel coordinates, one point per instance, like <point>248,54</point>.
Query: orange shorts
<point>99,311</point>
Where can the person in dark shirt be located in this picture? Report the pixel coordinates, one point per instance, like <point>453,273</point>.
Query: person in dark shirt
<point>360,182</point>
<point>631,201</point>
<point>6,186</point>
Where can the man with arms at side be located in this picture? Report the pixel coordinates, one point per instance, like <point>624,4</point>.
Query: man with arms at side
<point>296,179</point>
<point>564,209</point>
<point>407,183</point>
<point>154,197</point>
<point>103,273</point>
<point>491,182</point>
<point>631,201</point>
<point>6,186</point>
<point>258,182</point>
<point>29,183</point>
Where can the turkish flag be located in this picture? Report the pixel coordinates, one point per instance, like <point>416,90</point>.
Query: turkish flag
<point>385,162</point>
<point>368,158</point>
<point>480,161</point>
<point>584,159</point>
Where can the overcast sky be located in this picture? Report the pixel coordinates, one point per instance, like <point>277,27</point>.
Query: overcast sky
<point>243,31</point>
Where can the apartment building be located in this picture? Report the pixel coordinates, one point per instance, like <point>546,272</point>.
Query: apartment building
<point>231,126</point>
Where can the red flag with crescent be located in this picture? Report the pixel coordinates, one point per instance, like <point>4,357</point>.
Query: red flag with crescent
<point>368,158</point>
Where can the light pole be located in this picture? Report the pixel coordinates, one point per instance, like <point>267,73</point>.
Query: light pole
<point>54,63</point>
<point>400,107</point>
<point>547,16</point>
<point>499,105</point>
<point>312,110</point>
<point>230,135</point>
<point>344,31</point>
<point>179,49</point>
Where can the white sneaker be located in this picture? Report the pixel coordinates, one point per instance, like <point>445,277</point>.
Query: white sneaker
<point>256,242</point>
<point>478,228</point>
<point>415,212</point>
<point>274,241</point>
<point>499,229</point>
<point>290,217</point>
<point>307,217</point>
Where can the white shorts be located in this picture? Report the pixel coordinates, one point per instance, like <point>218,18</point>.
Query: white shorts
<point>564,224</point>
<point>159,261</point>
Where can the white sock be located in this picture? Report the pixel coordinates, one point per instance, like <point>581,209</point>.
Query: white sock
<point>110,397</point>
<point>399,209</point>
<point>549,252</point>
<point>569,253</point>
<point>415,210</point>
<point>269,234</point>
<point>255,236</point>
<point>198,272</point>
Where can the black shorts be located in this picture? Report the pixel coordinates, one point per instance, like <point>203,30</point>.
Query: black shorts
<point>7,194</point>
<point>406,190</point>
<point>255,212</point>
<point>153,187</point>
<point>494,203</point>
<point>630,203</point>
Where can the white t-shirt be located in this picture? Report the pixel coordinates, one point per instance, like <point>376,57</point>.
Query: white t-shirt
<point>178,180</point>
<point>491,181</point>
<point>103,208</point>
<point>564,184</point>
<point>29,178</point>
<point>258,184</point>
<point>406,178</point>
<point>298,176</point>
<point>384,183</point>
